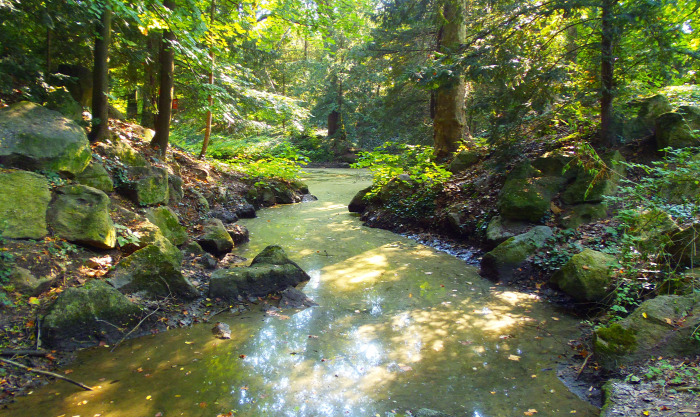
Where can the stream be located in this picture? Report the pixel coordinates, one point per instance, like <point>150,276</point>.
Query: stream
<point>399,326</point>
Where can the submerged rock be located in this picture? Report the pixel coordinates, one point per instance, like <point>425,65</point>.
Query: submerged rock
<point>293,298</point>
<point>222,330</point>
<point>358,203</point>
<point>28,219</point>
<point>271,271</point>
<point>86,315</point>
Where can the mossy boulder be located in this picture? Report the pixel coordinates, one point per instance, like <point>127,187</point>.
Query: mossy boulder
<point>650,108</point>
<point>499,230</point>
<point>580,214</point>
<point>175,191</point>
<point>153,271</point>
<point>554,164</point>
<point>673,131</point>
<point>28,219</point>
<point>96,176</point>
<point>166,219</point>
<point>80,214</point>
<point>661,326</point>
<point>121,151</point>
<point>464,160</point>
<point>26,283</point>
<point>358,204</point>
<point>61,101</point>
<point>84,316</point>
<point>587,276</point>
<point>501,263</point>
<point>525,196</point>
<point>271,271</point>
<point>592,187</point>
<point>146,186</point>
<point>239,234</point>
<point>36,138</point>
<point>691,114</point>
<point>215,239</point>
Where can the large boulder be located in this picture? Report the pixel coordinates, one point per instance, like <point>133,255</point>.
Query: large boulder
<point>691,114</point>
<point>358,203</point>
<point>146,186</point>
<point>80,214</point>
<point>215,239</point>
<point>153,271</point>
<point>673,131</point>
<point>501,263</point>
<point>36,138</point>
<point>499,230</point>
<point>86,315</point>
<point>592,187</point>
<point>26,220</point>
<point>526,195</point>
<point>166,219</point>
<point>61,101</point>
<point>464,160</point>
<point>650,108</point>
<point>96,176</point>
<point>121,151</point>
<point>587,276</point>
<point>271,271</point>
<point>661,326</point>
<point>238,233</point>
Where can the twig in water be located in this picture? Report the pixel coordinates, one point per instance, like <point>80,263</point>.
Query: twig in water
<point>583,366</point>
<point>135,327</point>
<point>23,352</point>
<point>47,373</point>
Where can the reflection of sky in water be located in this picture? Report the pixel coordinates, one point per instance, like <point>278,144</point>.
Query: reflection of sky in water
<point>398,327</point>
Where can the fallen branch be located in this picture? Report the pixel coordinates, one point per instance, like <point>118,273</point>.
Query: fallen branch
<point>24,352</point>
<point>47,373</point>
<point>135,327</point>
<point>585,362</point>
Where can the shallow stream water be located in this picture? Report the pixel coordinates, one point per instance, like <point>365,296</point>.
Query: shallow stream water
<point>399,326</point>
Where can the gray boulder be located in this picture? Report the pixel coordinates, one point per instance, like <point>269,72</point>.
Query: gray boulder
<point>80,214</point>
<point>86,315</point>
<point>215,239</point>
<point>358,203</point>
<point>685,245</point>
<point>499,230</point>
<point>271,271</point>
<point>661,326</point>
<point>61,101</point>
<point>96,176</point>
<point>28,219</point>
<point>581,214</point>
<point>587,276</point>
<point>464,160</point>
<point>501,263</point>
<point>122,152</point>
<point>36,138</point>
<point>175,191</point>
<point>239,234</point>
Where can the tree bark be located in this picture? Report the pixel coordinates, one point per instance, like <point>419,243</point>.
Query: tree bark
<point>100,77</point>
<point>207,129</point>
<point>607,73</point>
<point>450,120</point>
<point>165,99</point>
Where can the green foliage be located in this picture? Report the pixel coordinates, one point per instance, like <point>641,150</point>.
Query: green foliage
<point>126,236</point>
<point>392,159</point>
<point>269,168</point>
<point>557,251</point>
<point>6,261</point>
<point>667,374</point>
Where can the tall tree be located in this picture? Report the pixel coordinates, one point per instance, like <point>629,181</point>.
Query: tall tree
<point>100,77</point>
<point>210,98</point>
<point>450,119</point>
<point>165,99</point>
<point>606,72</point>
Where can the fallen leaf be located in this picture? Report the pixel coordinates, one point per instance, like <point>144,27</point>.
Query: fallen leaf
<point>148,397</point>
<point>188,343</point>
<point>202,405</point>
<point>68,371</point>
<point>530,412</point>
<point>644,315</point>
<point>241,356</point>
<point>514,357</point>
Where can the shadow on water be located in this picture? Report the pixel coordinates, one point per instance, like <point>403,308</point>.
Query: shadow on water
<point>399,327</point>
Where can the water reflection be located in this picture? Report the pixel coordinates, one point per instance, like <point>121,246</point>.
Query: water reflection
<point>399,326</point>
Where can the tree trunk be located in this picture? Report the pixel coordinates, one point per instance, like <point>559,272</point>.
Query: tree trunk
<point>100,78</point>
<point>48,51</point>
<point>606,74</point>
<point>165,99</point>
<point>148,93</point>
<point>449,121</point>
<point>207,129</point>
<point>132,105</point>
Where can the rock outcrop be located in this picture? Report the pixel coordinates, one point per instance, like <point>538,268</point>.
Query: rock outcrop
<point>80,214</point>
<point>25,220</point>
<point>587,276</point>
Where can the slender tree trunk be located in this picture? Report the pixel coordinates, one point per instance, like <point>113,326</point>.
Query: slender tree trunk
<point>148,93</point>
<point>100,77</point>
<point>207,129</point>
<point>449,121</point>
<point>607,74</point>
<point>165,99</point>
<point>48,51</point>
<point>132,105</point>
